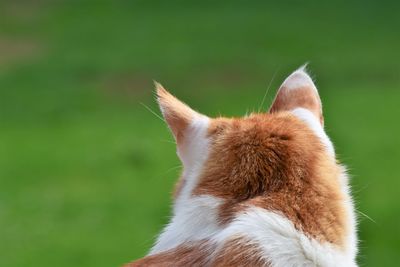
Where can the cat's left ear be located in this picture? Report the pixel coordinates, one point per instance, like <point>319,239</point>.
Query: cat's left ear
<point>298,91</point>
<point>177,114</point>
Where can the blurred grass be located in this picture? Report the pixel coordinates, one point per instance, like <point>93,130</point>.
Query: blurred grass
<point>86,170</point>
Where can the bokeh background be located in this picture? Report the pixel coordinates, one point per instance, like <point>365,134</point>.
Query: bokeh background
<point>86,170</point>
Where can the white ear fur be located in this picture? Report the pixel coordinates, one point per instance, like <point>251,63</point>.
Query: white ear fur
<point>298,79</point>
<point>298,91</point>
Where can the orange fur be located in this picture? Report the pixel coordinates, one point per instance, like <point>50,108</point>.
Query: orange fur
<point>184,255</point>
<point>236,252</point>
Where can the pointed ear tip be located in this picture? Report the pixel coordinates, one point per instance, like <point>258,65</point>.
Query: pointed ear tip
<point>304,67</point>
<point>159,90</point>
<point>299,78</point>
<point>158,86</point>
<point>303,70</point>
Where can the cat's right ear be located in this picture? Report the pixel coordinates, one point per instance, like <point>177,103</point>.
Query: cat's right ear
<point>177,114</point>
<point>298,91</point>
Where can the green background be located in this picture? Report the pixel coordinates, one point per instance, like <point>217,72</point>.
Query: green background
<point>86,170</point>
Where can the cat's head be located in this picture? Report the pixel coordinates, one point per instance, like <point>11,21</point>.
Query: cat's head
<point>242,157</point>
<point>280,160</point>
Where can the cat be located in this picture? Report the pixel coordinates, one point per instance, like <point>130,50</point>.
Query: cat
<point>261,190</point>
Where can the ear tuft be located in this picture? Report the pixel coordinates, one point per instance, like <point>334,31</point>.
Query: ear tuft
<point>298,91</point>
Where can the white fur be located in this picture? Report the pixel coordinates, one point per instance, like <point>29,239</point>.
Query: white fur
<point>313,122</point>
<point>299,79</point>
<point>194,218</point>
<point>282,245</point>
<point>193,154</point>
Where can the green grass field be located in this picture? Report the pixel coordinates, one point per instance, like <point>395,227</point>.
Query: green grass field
<point>86,170</point>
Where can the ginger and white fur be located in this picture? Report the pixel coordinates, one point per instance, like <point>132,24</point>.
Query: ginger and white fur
<point>199,234</point>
